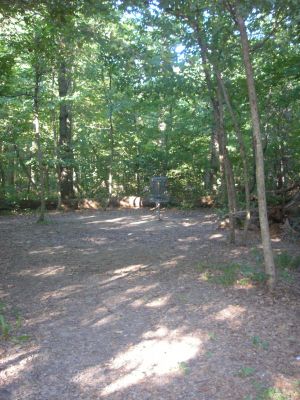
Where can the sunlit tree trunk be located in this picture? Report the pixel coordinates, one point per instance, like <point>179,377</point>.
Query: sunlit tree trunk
<point>36,123</point>
<point>2,174</point>
<point>56,147</point>
<point>241,148</point>
<point>217,106</point>
<point>111,139</point>
<point>260,175</point>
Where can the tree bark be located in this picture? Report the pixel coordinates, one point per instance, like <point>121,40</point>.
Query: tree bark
<point>36,123</point>
<point>242,150</point>
<point>111,139</point>
<point>56,147</point>
<point>217,106</point>
<point>260,175</point>
<point>65,131</point>
<point>227,167</point>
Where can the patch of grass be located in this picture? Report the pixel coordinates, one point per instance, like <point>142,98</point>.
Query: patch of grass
<point>253,274</point>
<point>212,336</point>
<point>245,372</point>
<point>285,261</point>
<point>9,330</point>
<point>21,338</point>
<point>258,342</point>
<point>273,394</point>
<point>184,368</point>
<point>257,254</point>
<point>266,393</point>
<point>230,274</point>
<point>4,327</point>
<point>286,276</point>
<point>227,276</point>
<point>297,387</point>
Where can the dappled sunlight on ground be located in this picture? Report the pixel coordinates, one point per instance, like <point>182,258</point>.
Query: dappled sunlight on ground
<point>159,353</point>
<point>49,250</point>
<point>117,307</point>
<point>159,302</point>
<point>130,268</point>
<point>232,314</point>
<point>216,236</point>
<point>61,293</point>
<point>189,239</point>
<point>44,272</point>
<point>14,364</point>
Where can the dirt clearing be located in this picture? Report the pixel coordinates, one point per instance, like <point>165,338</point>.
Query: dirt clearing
<point>117,305</point>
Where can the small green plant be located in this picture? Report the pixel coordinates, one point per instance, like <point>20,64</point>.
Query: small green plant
<point>258,342</point>
<point>245,372</point>
<point>286,276</point>
<point>186,205</point>
<point>257,255</point>
<point>21,338</point>
<point>5,327</point>
<point>244,281</point>
<point>201,267</point>
<point>286,261</point>
<point>184,368</point>
<point>209,354</point>
<point>9,330</point>
<point>228,275</point>
<point>273,394</point>
<point>297,387</point>
<point>212,336</point>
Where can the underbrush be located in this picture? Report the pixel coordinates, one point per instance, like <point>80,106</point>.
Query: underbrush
<point>229,274</point>
<point>11,325</point>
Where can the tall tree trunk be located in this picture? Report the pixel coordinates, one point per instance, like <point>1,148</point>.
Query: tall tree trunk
<point>214,160</point>
<point>65,131</point>
<point>242,149</point>
<point>11,168</point>
<point>227,167</point>
<point>260,175</point>
<point>111,139</point>
<point>36,123</point>
<point>2,174</point>
<point>56,147</point>
<point>217,106</point>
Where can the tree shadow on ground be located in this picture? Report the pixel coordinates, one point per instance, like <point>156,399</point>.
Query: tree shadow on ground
<point>117,310</point>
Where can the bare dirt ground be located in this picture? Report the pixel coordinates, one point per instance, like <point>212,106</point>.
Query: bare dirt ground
<point>116,308</point>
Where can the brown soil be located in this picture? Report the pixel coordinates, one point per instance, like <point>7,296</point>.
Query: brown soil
<point>116,308</point>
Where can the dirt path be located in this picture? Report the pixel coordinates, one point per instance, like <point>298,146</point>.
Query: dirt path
<point>115,308</point>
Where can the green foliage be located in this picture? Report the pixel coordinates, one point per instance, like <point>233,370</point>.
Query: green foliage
<point>184,368</point>
<point>130,76</point>
<point>285,261</point>
<point>245,372</point>
<point>5,327</point>
<point>272,394</point>
<point>259,343</point>
<point>10,326</point>
<point>231,274</point>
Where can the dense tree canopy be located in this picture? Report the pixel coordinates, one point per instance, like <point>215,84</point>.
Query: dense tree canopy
<point>123,95</point>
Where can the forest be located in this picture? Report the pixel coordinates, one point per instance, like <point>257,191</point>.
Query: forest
<point>101,299</point>
<point>99,96</point>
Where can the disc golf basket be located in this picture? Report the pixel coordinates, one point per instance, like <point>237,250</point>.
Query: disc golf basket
<point>159,195</point>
